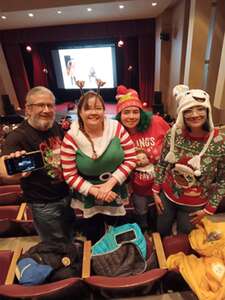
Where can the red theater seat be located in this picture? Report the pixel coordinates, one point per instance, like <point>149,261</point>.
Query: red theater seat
<point>16,220</point>
<point>176,243</point>
<point>10,194</point>
<point>69,288</point>
<point>126,285</point>
<point>5,260</point>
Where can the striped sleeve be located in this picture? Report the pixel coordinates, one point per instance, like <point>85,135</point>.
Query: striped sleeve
<point>130,159</point>
<point>70,172</point>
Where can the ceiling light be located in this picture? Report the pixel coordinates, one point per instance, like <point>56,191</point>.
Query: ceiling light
<point>59,12</point>
<point>28,48</point>
<point>31,15</point>
<point>45,70</point>
<point>121,6</point>
<point>3,17</point>
<point>120,43</point>
<point>89,9</point>
<point>154,3</point>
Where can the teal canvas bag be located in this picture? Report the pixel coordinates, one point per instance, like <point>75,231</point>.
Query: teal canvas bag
<point>116,236</point>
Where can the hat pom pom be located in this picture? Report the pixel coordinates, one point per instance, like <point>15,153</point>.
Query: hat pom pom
<point>170,157</point>
<point>197,173</point>
<point>195,162</point>
<point>121,90</point>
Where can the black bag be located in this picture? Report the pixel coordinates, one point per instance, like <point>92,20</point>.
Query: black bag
<point>124,261</point>
<point>65,259</point>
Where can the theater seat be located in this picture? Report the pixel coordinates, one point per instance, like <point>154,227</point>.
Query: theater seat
<point>5,260</point>
<point>123,286</point>
<point>16,220</point>
<point>173,280</point>
<point>10,188</point>
<point>56,290</point>
<point>10,194</point>
<point>177,243</point>
<point>62,289</point>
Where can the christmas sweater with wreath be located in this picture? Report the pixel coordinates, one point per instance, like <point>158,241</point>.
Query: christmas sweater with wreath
<point>180,185</point>
<point>115,157</point>
<point>44,185</point>
<point>148,147</point>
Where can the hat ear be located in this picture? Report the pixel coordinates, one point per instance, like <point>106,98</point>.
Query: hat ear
<point>178,92</point>
<point>180,89</point>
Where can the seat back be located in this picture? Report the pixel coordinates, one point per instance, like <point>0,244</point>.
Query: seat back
<point>173,281</point>
<point>122,286</point>
<point>10,194</point>
<point>70,287</point>
<point>174,244</point>
<point>16,220</point>
<point>10,188</point>
<point>5,260</point>
<point>9,212</point>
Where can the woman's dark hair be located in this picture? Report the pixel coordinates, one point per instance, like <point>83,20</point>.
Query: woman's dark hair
<point>145,120</point>
<point>205,126</point>
<point>83,103</point>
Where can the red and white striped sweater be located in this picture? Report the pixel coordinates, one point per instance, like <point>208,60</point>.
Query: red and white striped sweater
<point>75,140</point>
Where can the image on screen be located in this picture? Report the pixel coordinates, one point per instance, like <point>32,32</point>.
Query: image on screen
<point>86,63</point>
<point>26,163</point>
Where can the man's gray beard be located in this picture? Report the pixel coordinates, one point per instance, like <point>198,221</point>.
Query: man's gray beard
<point>46,125</point>
<point>42,125</point>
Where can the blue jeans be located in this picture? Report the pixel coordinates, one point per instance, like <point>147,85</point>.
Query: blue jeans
<point>172,212</point>
<point>54,221</point>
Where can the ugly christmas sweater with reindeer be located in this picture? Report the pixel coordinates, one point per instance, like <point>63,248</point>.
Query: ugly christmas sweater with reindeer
<point>178,181</point>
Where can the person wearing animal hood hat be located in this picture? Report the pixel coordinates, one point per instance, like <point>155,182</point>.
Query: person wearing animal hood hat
<point>190,175</point>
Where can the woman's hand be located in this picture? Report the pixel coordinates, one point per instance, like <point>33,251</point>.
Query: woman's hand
<point>105,192</point>
<point>197,216</point>
<point>93,191</point>
<point>158,203</point>
<point>101,195</point>
<point>111,196</point>
<point>107,186</point>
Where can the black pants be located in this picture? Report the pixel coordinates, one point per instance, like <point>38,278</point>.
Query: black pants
<point>94,228</point>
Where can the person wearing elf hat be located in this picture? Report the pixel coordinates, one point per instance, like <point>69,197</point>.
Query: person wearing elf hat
<point>97,156</point>
<point>147,132</point>
<point>190,176</point>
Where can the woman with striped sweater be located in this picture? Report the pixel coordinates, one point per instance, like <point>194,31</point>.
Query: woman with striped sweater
<point>97,156</point>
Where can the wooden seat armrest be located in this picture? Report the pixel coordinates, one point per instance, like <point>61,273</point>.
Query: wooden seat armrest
<point>12,268</point>
<point>86,268</point>
<point>22,212</point>
<point>159,250</point>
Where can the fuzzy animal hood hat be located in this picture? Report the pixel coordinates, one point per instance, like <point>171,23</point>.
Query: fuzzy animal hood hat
<point>186,99</point>
<point>127,97</point>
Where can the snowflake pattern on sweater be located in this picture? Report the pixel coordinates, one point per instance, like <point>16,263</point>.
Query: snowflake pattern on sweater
<point>210,186</point>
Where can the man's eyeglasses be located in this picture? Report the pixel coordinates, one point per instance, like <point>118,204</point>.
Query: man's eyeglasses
<point>42,106</point>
